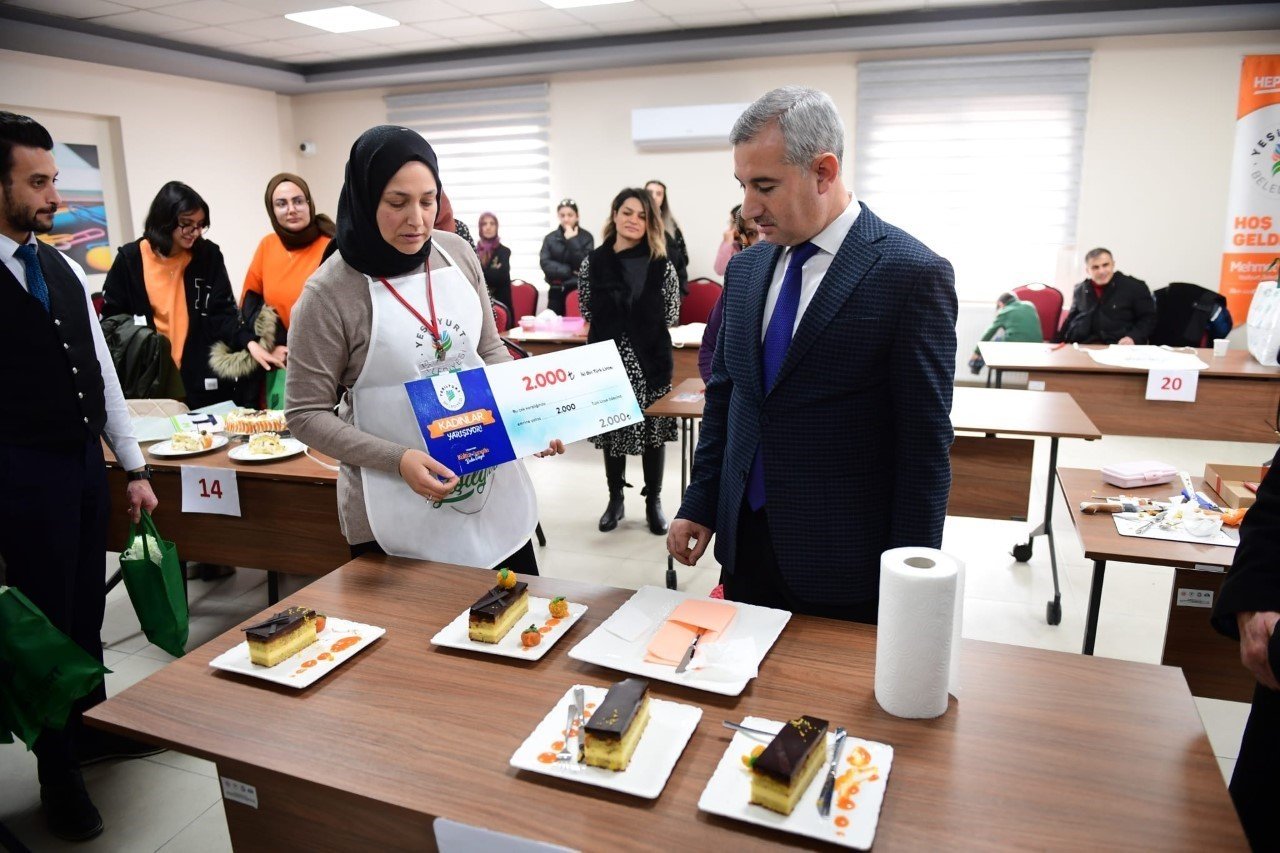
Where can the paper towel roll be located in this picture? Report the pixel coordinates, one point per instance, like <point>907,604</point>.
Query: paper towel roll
<point>918,638</point>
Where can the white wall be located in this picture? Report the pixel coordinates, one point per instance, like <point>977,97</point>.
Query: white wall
<point>225,141</point>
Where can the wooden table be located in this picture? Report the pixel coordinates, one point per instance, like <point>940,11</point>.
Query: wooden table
<point>1210,661</point>
<point>1045,750</point>
<point>288,515</point>
<point>990,476</point>
<point>1236,399</point>
<point>685,356</point>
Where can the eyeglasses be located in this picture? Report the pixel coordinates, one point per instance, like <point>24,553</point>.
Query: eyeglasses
<point>193,227</point>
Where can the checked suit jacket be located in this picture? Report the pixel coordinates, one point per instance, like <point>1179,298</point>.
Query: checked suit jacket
<point>856,432</point>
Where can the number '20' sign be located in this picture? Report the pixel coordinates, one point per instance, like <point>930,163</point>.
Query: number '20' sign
<point>1179,385</point>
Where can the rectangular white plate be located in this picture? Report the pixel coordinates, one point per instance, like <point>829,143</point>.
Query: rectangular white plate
<point>298,671</point>
<point>654,604</point>
<point>670,727</point>
<point>454,635</point>
<point>728,793</point>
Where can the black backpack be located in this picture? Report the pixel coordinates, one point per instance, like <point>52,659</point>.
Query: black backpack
<point>141,356</point>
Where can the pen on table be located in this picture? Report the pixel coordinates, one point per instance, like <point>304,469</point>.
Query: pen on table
<point>1058,347</point>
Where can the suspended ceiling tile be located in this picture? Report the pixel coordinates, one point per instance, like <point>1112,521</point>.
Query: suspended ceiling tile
<point>418,11</point>
<point>276,27</point>
<point>145,22</point>
<point>216,37</point>
<point>324,42</point>
<point>212,12</point>
<point>73,8</point>
<point>456,27</point>
<point>538,19</point>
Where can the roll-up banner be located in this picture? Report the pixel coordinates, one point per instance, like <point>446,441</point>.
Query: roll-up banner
<point>1253,205</point>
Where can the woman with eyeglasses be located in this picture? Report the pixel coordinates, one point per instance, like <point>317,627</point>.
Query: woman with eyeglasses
<point>563,251</point>
<point>629,293</point>
<point>401,301</point>
<point>283,262</point>
<point>677,251</point>
<point>175,281</point>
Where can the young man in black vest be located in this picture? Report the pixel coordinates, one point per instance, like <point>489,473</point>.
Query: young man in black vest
<point>61,398</point>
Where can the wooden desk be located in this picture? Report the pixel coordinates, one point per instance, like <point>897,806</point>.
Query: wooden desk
<point>1210,661</point>
<point>685,357</point>
<point>288,515</point>
<point>1045,750</point>
<point>990,477</point>
<point>1236,398</point>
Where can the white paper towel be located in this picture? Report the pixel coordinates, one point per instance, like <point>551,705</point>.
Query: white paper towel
<point>918,637</point>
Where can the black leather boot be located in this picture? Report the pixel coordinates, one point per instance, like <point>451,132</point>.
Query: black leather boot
<point>654,461</point>
<point>615,474</point>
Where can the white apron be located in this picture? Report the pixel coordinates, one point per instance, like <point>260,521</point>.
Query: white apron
<point>492,512</point>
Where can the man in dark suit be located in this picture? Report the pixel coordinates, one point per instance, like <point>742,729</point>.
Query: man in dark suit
<point>826,434</point>
<point>61,398</point>
<point>1109,307</point>
<point>1248,609</point>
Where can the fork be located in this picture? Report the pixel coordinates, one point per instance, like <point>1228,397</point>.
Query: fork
<point>566,755</point>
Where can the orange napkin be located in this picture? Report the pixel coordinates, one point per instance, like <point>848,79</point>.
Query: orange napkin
<point>692,615</point>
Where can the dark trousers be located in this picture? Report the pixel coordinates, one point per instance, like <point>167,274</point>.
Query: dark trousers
<point>522,562</point>
<point>54,507</point>
<point>1255,784</point>
<point>756,578</point>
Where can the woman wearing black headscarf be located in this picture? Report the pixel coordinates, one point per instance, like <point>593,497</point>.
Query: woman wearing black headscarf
<point>400,301</point>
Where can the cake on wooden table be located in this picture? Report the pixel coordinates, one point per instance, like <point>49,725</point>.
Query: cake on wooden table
<point>497,611</point>
<point>780,774</point>
<point>252,421</point>
<point>283,635</point>
<point>616,725</point>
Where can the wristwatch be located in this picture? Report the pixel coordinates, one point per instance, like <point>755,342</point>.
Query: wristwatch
<point>143,473</point>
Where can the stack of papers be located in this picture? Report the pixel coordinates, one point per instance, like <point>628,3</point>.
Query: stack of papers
<point>690,617</point>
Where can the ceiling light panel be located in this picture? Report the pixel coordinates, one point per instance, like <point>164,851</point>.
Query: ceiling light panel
<point>343,19</point>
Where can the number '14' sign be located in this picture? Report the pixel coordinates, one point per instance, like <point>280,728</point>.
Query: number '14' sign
<point>210,490</point>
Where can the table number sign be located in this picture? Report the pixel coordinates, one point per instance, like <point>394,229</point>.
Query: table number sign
<point>210,490</point>
<point>1173,385</point>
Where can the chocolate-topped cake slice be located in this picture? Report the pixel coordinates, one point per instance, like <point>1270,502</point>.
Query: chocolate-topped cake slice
<point>788,764</point>
<point>284,634</point>
<point>615,727</point>
<point>497,611</point>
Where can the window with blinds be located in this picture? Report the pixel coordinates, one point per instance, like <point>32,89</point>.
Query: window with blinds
<point>492,147</point>
<point>980,158</point>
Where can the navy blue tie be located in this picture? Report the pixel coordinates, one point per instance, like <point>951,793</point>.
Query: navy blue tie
<point>777,339</point>
<point>35,276</point>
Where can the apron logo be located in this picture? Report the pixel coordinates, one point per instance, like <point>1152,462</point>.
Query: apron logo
<point>449,391</point>
<point>469,486</point>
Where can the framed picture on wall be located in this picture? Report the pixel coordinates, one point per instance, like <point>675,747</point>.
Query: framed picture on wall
<point>80,226</point>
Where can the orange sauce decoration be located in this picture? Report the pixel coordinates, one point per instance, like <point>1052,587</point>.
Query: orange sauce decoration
<point>842,821</point>
<point>552,622</point>
<point>544,630</point>
<point>860,757</point>
<point>547,757</point>
<point>324,656</point>
<point>306,664</point>
<point>344,644</point>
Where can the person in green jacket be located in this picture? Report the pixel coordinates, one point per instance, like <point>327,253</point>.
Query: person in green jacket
<point>1015,320</point>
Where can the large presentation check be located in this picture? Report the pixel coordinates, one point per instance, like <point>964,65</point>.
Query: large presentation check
<point>483,417</point>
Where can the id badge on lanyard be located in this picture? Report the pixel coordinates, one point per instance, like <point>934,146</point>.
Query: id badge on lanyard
<point>435,359</point>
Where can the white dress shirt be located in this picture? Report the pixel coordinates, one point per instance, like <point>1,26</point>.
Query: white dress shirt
<point>119,429</point>
<point>828,241</point>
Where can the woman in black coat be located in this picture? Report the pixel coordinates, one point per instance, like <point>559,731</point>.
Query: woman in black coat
<point>629,293</point>
<point>563,251</point>
<point>176,282</point>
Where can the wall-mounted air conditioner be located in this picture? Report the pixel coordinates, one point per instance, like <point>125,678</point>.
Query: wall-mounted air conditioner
<point>701,126</point>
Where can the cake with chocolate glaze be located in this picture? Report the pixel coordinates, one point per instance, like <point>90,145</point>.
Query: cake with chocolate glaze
<point>615,727</point>
<point>497,611</point>
<point>283,635</point>
<point>788,764</point>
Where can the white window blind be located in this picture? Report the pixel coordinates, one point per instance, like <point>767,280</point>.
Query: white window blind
<point>492,148</point>
<point>979,157</point>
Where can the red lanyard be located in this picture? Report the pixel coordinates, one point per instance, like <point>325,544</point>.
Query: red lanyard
<point>430,325</point>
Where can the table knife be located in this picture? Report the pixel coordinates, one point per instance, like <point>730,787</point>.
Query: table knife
<point>829,787</point>
<point>688,653</point>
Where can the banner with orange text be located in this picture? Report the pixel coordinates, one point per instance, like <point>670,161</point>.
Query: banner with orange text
<point>1253,203</point>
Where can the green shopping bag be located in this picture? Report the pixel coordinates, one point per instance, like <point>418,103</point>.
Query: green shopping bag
<point>42,672</point>
<point>275,388</point>
<point>153,577</point>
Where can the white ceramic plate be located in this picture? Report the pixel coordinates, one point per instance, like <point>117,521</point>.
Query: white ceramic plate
<point>164,449</point>
<point>650,606</point>
<point>292,447</point>
<point>728,792</point>
<point>454,635</point>
<point>306,667</point>
<point>668,731</point>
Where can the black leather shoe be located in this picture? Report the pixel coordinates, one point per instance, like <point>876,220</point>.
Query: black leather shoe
<point>69,812</point>
<point>653,514</point>
<point>613,513</point>
<point>95,745</point>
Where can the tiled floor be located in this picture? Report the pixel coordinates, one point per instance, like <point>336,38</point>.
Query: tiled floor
<point>171,802</point>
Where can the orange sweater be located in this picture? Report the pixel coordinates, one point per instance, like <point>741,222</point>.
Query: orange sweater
<point>167,293</point>
<point>279,273</point>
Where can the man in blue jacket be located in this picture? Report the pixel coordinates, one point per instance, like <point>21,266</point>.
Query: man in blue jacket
<point>826,433</point>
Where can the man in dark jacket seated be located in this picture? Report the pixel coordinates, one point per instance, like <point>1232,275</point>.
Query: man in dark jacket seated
<point>1109,307</point>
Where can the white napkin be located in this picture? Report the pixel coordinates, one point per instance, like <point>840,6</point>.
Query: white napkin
<point>726,660</point>
<point>628,623</point>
